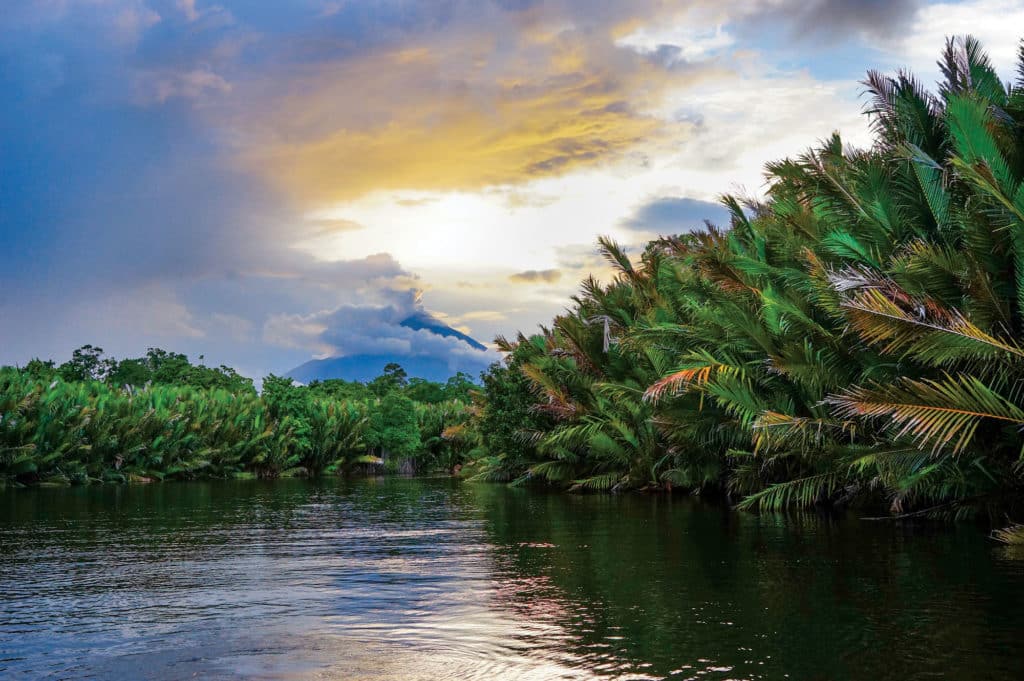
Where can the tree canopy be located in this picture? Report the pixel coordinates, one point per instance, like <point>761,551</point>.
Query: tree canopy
<point>853,337</point>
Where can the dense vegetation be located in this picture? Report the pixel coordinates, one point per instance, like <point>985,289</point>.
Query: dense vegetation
<point>160,416</point>
<point>855,337</point>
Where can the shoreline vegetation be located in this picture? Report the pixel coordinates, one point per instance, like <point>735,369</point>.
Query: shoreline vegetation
<point>854,338</point>
<point>95,419</point>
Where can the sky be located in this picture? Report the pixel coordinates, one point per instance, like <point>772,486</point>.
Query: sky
<point>263,183</point>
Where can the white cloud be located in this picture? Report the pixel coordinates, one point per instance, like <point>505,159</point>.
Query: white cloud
<point>694,35</point>
<point>367,329</point>
<point>998,24</point>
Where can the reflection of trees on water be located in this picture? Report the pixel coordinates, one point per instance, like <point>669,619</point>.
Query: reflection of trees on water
<point>606,584</point>
<point>667,582</point>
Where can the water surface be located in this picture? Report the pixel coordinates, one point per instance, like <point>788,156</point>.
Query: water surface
<point>436,579</point>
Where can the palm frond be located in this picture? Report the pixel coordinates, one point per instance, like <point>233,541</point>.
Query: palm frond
<point>943,414</point>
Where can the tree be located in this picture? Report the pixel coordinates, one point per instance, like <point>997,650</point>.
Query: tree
<point>168,368</point>
<point>134,372</point>
<point>459,387</point>
<point>290,404</point>
<point>424,391</point>
<point>392,378</point>
<point>40,370</point>
<point>507,418</point>
<point>338,389</point>
<point>393,427</point>
<point>86,364</point>
<point>855,336</point>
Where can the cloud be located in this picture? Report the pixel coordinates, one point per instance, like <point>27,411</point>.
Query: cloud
<point>536,276</point>
<point>293,289</point>
<point>483,315</point>
<point>167,162</point>
<point>672,43</point>
<point>676,215</point>
<point>133,20</point>
<point>443,142</point>
<point>416,201</point>
<point>321,226</point>
<point>160,87</point>
<point>497,98</point>
<point>516,200</point>
<point>298,331</point>
<point>111,23</point>
<point>843,19</point>
<point>339,275</point>
<point>237,328</point>
<point>367,329</point>
<point>155,311</point>
<point>996,23</point>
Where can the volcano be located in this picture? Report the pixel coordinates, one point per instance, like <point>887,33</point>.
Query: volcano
<point>466,355</point>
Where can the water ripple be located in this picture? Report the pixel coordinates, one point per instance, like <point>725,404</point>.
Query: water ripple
<point>408,579</point>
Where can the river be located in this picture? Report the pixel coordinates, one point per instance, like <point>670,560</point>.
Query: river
<point>396,578</point>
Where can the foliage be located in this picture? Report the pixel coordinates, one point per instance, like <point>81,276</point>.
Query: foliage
<point>854,337</point>
<point>1012,535</point>
<point>393,378</point>
<point>505,419</point>
<point>185,421</point>
<point>159,367</point>
<point>88,431</point>
<point>86,364</point>
<point>394,429</point>
<point>442,429</point>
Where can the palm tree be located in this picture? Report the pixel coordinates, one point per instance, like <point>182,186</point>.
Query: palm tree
<point>851,337</point>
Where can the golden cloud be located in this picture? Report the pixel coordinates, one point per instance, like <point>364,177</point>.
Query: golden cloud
<point>483,315</point>
<point>465,114</point>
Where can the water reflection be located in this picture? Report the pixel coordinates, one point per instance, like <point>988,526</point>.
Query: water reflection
<point>432,579</point>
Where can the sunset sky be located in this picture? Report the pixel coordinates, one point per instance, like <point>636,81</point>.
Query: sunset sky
<point>267,182</point>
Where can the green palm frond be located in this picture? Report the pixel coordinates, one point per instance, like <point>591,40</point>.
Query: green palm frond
<point>801,493</point>
<point>942,414</point>
<point>600,483</point>
<point>774,431</point>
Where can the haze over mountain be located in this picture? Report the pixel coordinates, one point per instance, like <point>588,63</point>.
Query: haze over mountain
<point>466,354</point>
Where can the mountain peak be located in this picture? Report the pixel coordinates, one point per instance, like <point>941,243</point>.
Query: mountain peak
<point>423,320</point>
<point>364,367</point>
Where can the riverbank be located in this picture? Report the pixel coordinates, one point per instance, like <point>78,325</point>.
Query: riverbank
<point>55,431</point>
<point>853,336</point>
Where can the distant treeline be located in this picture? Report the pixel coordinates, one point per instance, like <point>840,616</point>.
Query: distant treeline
<point>157,417</point>
<point>857,337</point>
